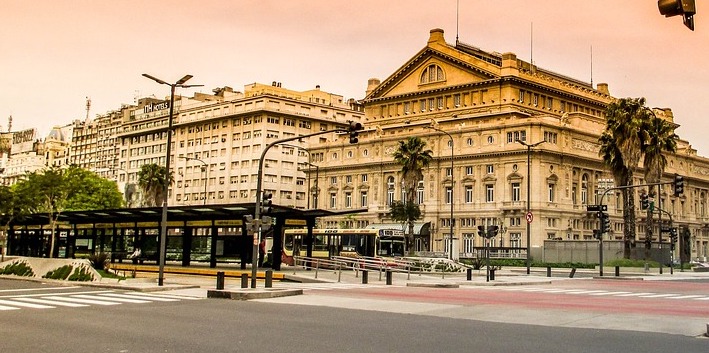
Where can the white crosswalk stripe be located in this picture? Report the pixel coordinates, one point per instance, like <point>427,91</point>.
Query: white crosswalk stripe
<point>84,299</point>
<point>600,293</point>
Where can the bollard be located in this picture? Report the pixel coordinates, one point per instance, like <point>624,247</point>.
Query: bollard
<point>365,277</point>
<point>617,271</point>
<point>220,280</point>
<point>492,274</point>
<point>388,274</point>
<point>548,271</point>
<point>269,278</point>
<point>573,272</point>
<point>244,280</point>
<point>469,274</point>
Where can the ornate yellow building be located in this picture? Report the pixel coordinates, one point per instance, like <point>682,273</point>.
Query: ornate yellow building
<point>479,104</point>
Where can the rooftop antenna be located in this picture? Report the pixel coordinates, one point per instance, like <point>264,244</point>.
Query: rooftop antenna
<point>88,107</point>
<point>591,64</point>
<point>457,16</point>
<point>531,43</point>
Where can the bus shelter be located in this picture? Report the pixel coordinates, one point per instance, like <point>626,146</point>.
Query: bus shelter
<point>209,233</point>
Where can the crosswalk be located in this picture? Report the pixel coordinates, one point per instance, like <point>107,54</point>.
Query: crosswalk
<point>601,293</point>
<point>84,299</point>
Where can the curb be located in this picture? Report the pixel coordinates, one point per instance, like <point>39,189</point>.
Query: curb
<point>619,278</point>
<point>433,285</point>
<point>493,284</point>
<point>248,294</point>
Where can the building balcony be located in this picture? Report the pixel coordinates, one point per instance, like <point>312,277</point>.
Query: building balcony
<point>514,205</point>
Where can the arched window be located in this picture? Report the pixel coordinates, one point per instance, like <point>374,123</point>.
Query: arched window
<point>390,190</point>
<point>584,189</point>
<point>432,73</point>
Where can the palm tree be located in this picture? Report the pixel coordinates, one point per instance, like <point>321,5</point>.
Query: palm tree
<point>413,156</point>
<point>151,180</point>
<point>658,138</point>
<point>621,150</point>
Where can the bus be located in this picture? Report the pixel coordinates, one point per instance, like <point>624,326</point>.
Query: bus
<point>345,242</point>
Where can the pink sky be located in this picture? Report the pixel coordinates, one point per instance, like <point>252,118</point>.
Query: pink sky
<point>55,53</point>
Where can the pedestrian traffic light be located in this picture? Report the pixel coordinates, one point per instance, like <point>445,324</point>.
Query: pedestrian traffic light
<point>678,185</point>
<point>686,8</point>
<point>644,203</point>
<point>249,224</point>
<point>266,203</point>
<point>353,130</point>
<point>597,234</point>
<point>481,231</point>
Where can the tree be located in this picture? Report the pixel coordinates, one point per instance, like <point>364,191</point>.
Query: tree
<point>403,212</point>
<point>413,156</point>
<point>89,191</point>
<point>621,150</point>
<point>151,180</point>
<point>45,192</point>
<point>53,191</point>
<point>658,138</point>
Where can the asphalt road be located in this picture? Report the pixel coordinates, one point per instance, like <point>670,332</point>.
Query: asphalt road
<point>217,325</point>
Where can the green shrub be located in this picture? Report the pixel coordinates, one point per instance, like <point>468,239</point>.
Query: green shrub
<point>99,261</point>
<point>61,273</point>
<point>81,275</point>
<point>20,268</point>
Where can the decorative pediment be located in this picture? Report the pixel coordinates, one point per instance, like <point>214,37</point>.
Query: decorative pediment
<point>552,179</point>
<point>489,178</point>
<point>514,176</point>
<point>468,180</point>
<point>432,69</point>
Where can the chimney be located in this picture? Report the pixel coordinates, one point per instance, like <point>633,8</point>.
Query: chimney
<point>372,84</point>
<point>436,36</point>
<point>603,88</point>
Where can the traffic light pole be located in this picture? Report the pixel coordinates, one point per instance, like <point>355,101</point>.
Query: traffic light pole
<point>600,246</point>
<point>257,206</point>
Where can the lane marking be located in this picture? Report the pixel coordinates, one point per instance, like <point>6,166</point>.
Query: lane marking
<point>2,307</point>
<point>658,295</point>
<point>609,293</point>
<point>80,300</point>
<point>634,294</point>
<point>34,289</point>
<point>53,294</point>
<point>26,305</point>
<point>51,302</point>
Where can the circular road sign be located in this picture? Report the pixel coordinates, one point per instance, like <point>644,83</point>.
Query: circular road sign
<point>529,216</point>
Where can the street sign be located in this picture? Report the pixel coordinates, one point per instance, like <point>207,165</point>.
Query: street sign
<point>529,217</point>
<point>596,208</point>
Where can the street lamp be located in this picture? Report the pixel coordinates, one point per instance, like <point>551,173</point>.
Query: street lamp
<point>529,193</point>
<point>163,223</point>
<point>206,174</point>
<point>450,236</point>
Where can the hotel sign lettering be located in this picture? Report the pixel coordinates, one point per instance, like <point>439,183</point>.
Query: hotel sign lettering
<point>156,106</point>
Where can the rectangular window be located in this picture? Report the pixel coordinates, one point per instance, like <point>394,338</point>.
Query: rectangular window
<point>490,193</point>
<point>551,192</point>
<point>490,168</point>
<point>456,100</point>
<point>469,170</point>
<point>364,178</point>
<point>449,195</point>
<point>468,194</point>
<point>348,179</point>
<point>449,172</point>
<point>439,102</point>
<point>407,107</point>
<point>516,192</point>
<point>333,180</point>
<point>333,200</point>
<point>422,105</point>
<point>521,96</point>
<point>348,200</point>
<point>364,202</point>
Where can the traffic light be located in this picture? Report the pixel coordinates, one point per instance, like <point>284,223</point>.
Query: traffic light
<point>492,231</point>
<point>266,223</point>
<point>678,185</point>
<point>673,237</point>
<point>266,203</point>
<point>250,225</point>
<point>605,222</point>
<point>686,8</point>
<point>644,203</point>
<point>481,231</point>
<point>353,130</point>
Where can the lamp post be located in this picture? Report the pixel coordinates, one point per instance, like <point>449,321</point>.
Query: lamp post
<point>529,193</point>
<point>206,174</point>
<point>163,223</point>
<point>450,236</point>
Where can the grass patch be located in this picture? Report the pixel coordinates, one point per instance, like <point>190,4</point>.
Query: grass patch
<point>109,274</point>
<point>61,273</point>
<point>81,275</point>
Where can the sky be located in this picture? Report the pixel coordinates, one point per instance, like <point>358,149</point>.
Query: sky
<point>56,53</point>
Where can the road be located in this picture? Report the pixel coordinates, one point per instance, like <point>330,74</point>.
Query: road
<point>565,316</point>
